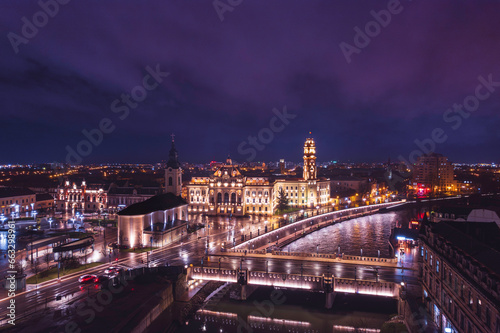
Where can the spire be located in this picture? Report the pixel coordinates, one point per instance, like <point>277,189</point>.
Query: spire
<point>228,160</point>
<point>173,161</point>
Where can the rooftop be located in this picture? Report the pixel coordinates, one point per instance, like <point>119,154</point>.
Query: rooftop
<point>6,192</point>
<point>480,241</point>
<point>44,196</point>
<point>159,202</point>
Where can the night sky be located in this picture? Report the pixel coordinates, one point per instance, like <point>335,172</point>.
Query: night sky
<point>226,77</point>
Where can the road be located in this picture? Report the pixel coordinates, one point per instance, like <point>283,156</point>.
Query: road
<point>191,252</point>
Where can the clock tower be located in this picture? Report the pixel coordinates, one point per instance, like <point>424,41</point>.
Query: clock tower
<point>310,172</point>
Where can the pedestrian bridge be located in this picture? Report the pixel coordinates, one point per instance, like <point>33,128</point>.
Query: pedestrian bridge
<point>324,283</point>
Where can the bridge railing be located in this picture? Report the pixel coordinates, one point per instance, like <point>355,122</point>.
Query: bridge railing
<point>298,281</point>
<point>317,255</point>
<point>386,289</point>
<point>211,273</point>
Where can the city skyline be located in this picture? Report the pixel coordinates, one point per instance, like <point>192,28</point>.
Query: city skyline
<point>216,78</point>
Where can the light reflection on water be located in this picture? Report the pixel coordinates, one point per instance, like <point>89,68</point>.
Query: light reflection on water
<point>370,233</point>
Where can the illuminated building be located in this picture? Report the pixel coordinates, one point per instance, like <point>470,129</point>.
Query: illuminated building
<point>309,159</point>
<point>19,201</point>
<point>282,166</point>
<point>121,197</point>
<point>229,192</point>
<point>159,220</point>
<point>83,198</point>
<point>433,173</point>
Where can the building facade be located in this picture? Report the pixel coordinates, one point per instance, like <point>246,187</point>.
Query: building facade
<point>228,192</point>
<point>461,276</point>
<point>121,197</point>
<point>44,202</point>
<point>82,198</point>
<point>18,202</point>
<point>156,222</point>
<point>433,173</point>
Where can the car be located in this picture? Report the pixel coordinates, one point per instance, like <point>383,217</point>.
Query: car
<point>113,245</point>
<point>113,270</point>
<point>101,279</point>
<point>87,278</point>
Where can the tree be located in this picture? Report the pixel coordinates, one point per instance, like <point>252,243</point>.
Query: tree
<point>282,200</point>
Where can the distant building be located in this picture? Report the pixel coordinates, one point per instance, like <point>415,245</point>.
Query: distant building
<point>82,198</point>
<point>433,173</point>
<point>44,202</point>
<point>173,172</point>
<point>229,192</point>
<point>282,166</point>
<point>461,275</point>
<point>20,201</point>
<point>121,197</point>
<point>348,182</point>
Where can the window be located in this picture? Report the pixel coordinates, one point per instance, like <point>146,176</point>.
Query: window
<point>431,261</point>
<point>437,266</point>
<point>233,198</point>
<point>219,197</point>
<point>169,181</point>
<point>226,198</point>
<point>425,255</point>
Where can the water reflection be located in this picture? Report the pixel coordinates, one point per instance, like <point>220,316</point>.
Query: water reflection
<point>293,311</point>
<point>369,234</point>
<point>214,321</point>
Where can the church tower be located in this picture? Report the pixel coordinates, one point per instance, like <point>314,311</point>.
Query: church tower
<point>173,172</point>
<point>310,159</point>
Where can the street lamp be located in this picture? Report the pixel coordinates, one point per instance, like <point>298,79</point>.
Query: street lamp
<point>50,222</point>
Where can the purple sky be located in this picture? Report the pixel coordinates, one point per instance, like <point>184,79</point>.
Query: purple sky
<point>226,78</point>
